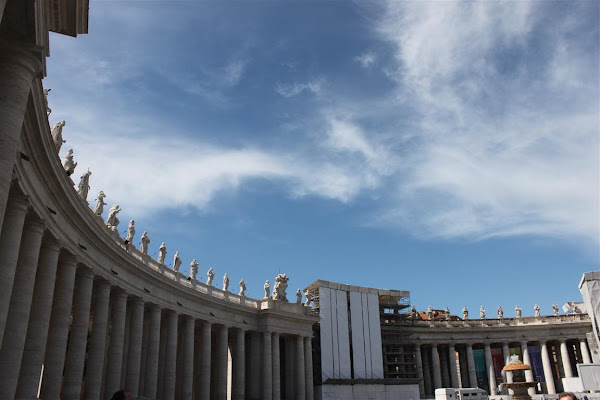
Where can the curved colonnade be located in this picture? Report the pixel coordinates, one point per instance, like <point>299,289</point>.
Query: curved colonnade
<point>83,315</point>
<point>446,351</point>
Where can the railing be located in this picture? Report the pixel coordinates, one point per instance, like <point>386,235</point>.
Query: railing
<point>490,322</point>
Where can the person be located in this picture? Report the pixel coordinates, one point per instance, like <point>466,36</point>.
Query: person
<point>122,395</point>
<point>567,396</point>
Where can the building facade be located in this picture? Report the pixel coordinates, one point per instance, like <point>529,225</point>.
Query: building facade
<point>84,313</point>
<point>435,349</point>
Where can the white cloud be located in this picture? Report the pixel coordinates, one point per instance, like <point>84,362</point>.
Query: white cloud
<point>366,59</point>
<point>294,89</point>
<point>499,153</point>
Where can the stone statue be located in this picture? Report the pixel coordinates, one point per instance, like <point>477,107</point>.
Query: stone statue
<point>112,221</point>
<point>176,262</point>
<point>225,282</point>
<point>518,311</point>
<point>298,296</point>
<point>500,312</point>
<point>555,308</point>
<point>130,231</point>
<point>69,164</point>
<point>242,287</point>
<point>144,242</point>
<point>309,298</point>
<point>429,313</point>
<point>48,110</point>
<point>193,269</point>
<point>481,312</point>
<point>84,185</point>
<point>57,135</point>
<point>447,313</point>
<point>211,275</point>
<point>279,293</point>
<point>537,310</point>
<point>99,209</point>
<point>267,289</point>
<point>413,312</point>
<point>162,253</point>
<point>465,313</point>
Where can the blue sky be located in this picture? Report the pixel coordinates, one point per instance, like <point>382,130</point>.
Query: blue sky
<point>446,148</point>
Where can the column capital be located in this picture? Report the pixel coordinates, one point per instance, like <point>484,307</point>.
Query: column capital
<point>51,244</point>
<point>17,204</point>
<point>33,223</point>
<point>137,301</point>
<point>25,55</point>
<point>85,272</point>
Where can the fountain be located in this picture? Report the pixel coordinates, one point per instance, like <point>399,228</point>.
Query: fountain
<point>519,386</point>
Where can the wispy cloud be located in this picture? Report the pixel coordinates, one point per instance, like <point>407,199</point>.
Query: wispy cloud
<point>366,59</point>
<point>294,89</point>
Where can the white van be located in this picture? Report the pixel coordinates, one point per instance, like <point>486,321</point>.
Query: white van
<point>461,394</point>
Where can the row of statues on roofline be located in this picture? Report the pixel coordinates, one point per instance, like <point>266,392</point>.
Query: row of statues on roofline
<point>518,312</point>
<point>112,222</point>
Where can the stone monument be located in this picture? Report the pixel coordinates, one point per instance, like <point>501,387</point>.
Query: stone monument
<point>69,165</point>
<point>176,262</point>
<point>242,287</point>
<point>162,253</point>
<point>193,269</point>
<point>57,135</point>
<point>144,242</point>
<point>279,293</point>
<point>99,208</point>
<point>210,276</point>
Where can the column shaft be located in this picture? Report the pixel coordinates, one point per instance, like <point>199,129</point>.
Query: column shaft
<point>547,369</point>
<point>528,373</point>
<point>419,362</point>
<point>506,355</point>
<point>15,331</point>
<point>276,367</point>
<point>10,242</point>
<point>308,369</point>
<point>267,367</point>
<point>453,367</point>
<point>97,350</point>
<point>203,387</point>
<point>39,320</point>
<point>300,373</point>
<point>117,338</point>
<point>437,373</point>
<point>187,375</point>
<point>75,360</point>
<point>170,357</point>
<point>150,383</point>
<point>134,351</point>
<point>471,366</point>
<point>239,373</point>
<point>221,362</point>
<point>566,362</point>
<point>489,366</point>
<point>17,69</point>
<point>585,352</point>
<point>427,371</point>
<point>56,346</point>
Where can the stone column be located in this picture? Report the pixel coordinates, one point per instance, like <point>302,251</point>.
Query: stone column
<point>506,355</point>
<point>308,369</point>
<point>453,367</point>
<point>58,331</point>
<point>300,373</point>
<point>256,365</point>
<point>221,357</point>
<point>75,360</point>
<point>427,371</point>
<point>419,361</point>
<point>551,388</point>
<point>528,373</point>
<point>97,349</point>
<point>10,242</point>
<point>17,69</point>
<point>267,367</point>
<point>437,373</point>
<point>203,386</point>
<point>471,366</point>
<point>444,368</point>
<point>150,383</point>
<point>584,351</point>
<point>117,339</point>
<point>187,376</point>
<point>239,360</point>
<point>276,366</point>
<point>39,320</point>
<point>134,351</point>
<point>15,332</point>
<point>566,362</point>
<point>489,366</point>
<point>170,357</point>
